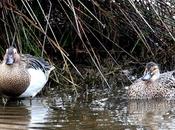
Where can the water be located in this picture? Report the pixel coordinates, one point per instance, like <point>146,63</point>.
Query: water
<point>100,114</point>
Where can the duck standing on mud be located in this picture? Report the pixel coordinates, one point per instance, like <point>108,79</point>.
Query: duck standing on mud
<point>153,84</point>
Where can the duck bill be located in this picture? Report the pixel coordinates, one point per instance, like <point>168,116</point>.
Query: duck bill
<point>9,59</point>
<point>146,77</point>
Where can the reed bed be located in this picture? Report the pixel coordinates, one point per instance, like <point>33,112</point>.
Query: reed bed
<point>91,42</point>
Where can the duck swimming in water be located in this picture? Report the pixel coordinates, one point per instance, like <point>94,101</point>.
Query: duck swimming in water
<point>153,84</point>
<point>22,75</point>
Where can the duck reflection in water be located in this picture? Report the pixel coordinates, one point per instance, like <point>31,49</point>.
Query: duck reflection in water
<point>151,114</point>
<point>24,116</point>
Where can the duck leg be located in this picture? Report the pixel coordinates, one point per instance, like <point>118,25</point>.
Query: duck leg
<point>5,100</point>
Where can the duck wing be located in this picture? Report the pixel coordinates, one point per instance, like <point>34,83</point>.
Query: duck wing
<point>167,79</point>
<point>35,62</point>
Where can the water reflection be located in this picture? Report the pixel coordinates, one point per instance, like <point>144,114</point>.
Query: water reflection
<point>22,115</point>
<point>11,117</point>
<point>101,114</point>
<point>152,114</point>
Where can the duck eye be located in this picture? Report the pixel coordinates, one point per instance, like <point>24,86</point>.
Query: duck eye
<point>152,74</point>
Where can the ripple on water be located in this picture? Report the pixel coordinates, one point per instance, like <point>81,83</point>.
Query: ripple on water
<point>102,114</point>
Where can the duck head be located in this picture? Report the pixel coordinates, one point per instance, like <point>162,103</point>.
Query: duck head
<point>151,72</point>
<point>11,56</point>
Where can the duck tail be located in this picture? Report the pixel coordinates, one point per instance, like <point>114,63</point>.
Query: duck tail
<point>51,68</point>
<point>47,73</point>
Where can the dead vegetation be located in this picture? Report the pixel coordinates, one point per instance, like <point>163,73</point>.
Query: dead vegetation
<point>103,36</point>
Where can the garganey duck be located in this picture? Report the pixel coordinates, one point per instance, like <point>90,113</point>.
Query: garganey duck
<point>22,75</point>
<point>153,84</point>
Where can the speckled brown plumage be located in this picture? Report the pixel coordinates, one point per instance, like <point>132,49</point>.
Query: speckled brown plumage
<point>162,87</point>
<point>149,90</point>
<point>22,75</point>
<point>13,80</point>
